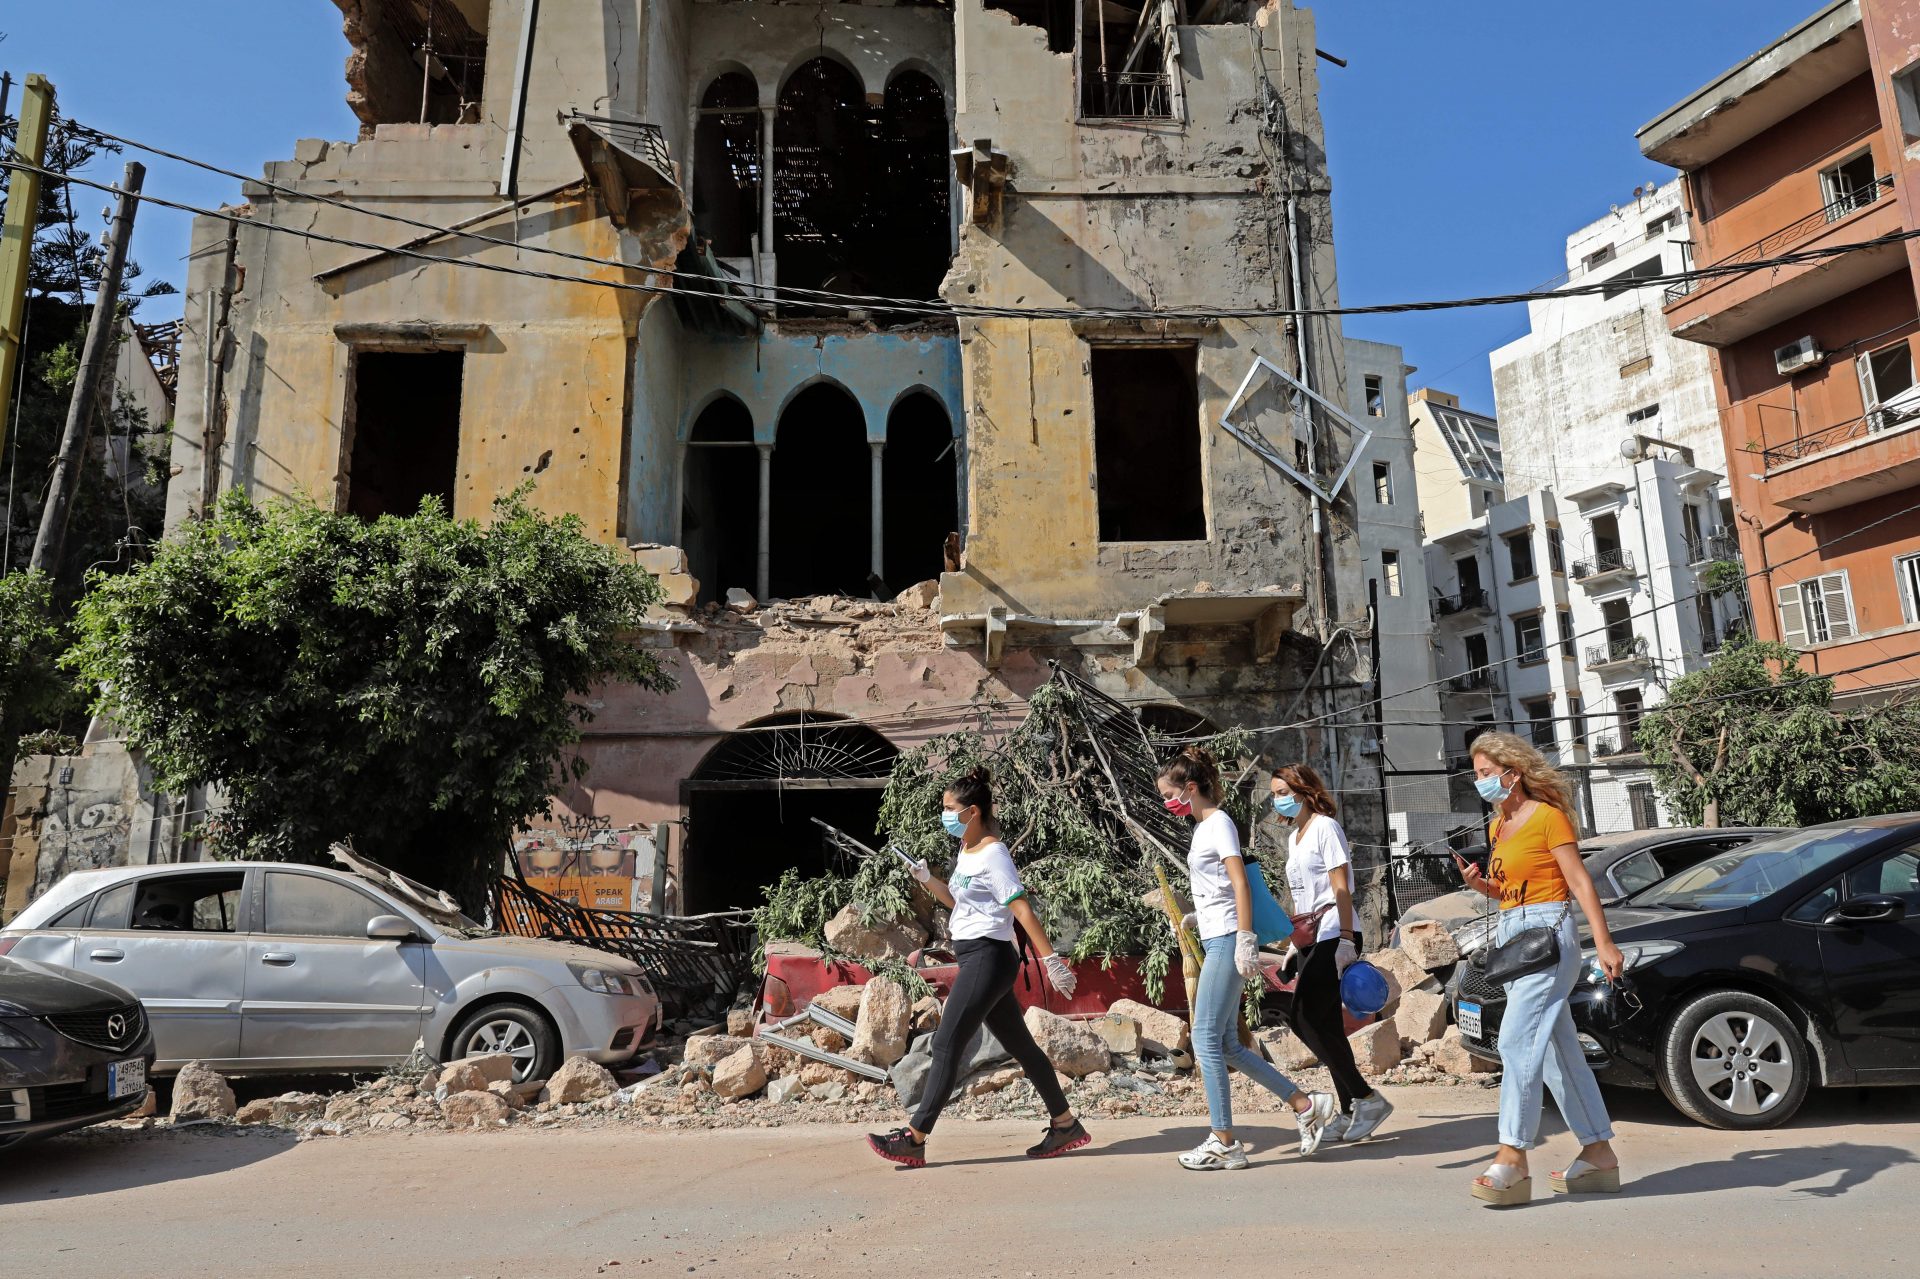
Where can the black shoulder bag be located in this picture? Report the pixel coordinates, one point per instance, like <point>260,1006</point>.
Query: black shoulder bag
<point>1529,951</point>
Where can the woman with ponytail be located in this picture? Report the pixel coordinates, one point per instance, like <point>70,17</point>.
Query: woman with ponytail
<point>985,897</point>
<point>1223,917</point>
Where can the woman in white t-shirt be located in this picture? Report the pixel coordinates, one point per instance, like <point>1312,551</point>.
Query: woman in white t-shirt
<point>1317,875</point>
<point>1223,916</point>
<point>986,898</point>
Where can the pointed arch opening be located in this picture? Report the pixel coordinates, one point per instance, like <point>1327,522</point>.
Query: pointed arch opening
<point>726,165</point>
<point>719,503</point>
<point>822,499</point>
<point>920,504</point>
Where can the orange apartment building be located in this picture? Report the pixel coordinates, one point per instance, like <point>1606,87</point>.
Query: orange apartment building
<point>1811,143</point>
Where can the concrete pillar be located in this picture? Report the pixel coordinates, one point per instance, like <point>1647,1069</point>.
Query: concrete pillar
<point>761,578</point>
<point>767,255</point>
<point>879,516</point>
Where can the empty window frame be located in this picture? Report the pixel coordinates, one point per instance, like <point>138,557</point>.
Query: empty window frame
<point>1629,705</point>
<point>727,159</point>
<point>1383,483</point>
<point>1577,720</point>
<point>1887,385</point>
<point>402,439</point>
<point>1539,714</point>
<point>1661,225</point>
<point>1520,555</point>
<point>1529,639</point>
<point>1599,257</point>
<point>1123,60</point>
<point>425,62</point>
<point>1146,443</point>
<point>1390,572</point>
<point>1628,280</point>
<point>1906,95</point>
<point>1906,570</point>
<point>1818,610</point>
<point>1644,413</point>
<point>1556,549</point>
<point>1566,632</point>
<point>1376,395</point>
<point>1849,185</point>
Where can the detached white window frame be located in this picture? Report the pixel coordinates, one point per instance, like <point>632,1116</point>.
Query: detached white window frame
<point>1906,568</point>
<point>1818,610</point>
<point>1390,572</point>
<point>1889,393</point>
<point>1848,184</point>
<point>1362,435</point>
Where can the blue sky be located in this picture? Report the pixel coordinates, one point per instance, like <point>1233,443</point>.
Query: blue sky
<point>1465,140</point>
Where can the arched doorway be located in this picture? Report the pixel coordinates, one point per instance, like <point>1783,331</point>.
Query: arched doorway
<point>920,504</point>
<point>720,500</point>
<point>726,165</point>
<point>822,500</point>
<point>752,802</point>
<point>823,146</point>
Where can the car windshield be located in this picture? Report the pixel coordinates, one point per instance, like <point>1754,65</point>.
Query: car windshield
<point>1743,876</point>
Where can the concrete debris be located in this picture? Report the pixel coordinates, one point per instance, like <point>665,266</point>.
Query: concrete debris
<point>830,1039</point>
<point>886,1016</point>
<point>921,595</point>
<point>926,1014</point>
<point>1286,1049</point>
<point>200,1096</point>
<point>494,1068</point>
<point>841,1001</point>
<point>1429,944</point>
<point>346,1109</point>
<point>891,940</point>
<point>1161,1032</point>
<point>739,1075</point>
<point>708,1051</point>
<point>1376,1048</point>
<point>784,1089</point>
<point>387,1119</point>
<point>475,1109</point>
<point>828,1092</point>
<point>741,600</point>
<point>1402,972</point>
<point>740,1023</point>
<point>1450,1054</point>
<point>995,1081</point>
<point>579,1079</point>
<point>460,1076</point>
<point>1072,1046</point>
<point>255,1112</point>
<point>1421,1016</point>
<point>1121,1033</point>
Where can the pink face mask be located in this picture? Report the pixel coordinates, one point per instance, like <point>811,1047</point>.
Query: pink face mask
<point>1179,807</point>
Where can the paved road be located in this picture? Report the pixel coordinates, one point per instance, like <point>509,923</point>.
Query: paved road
<point>1833,1194</point>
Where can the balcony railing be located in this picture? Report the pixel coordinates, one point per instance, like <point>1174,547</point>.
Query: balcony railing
<point>1603,563</point>
<point>1473,682</point>
<point>1603,744</point>
<point>1470,601</point>
<point>1617,652</point>
<point>1769,245</point>
<point>1721,544</point>
<point>1885,418</point>
<point>1127,95</point>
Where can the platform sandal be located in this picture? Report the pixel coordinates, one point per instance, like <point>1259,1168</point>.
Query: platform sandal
<point>1582,1178</point>
<point>1510,1186</point>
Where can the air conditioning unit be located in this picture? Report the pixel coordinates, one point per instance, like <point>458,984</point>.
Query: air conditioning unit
<point>1794,356</point>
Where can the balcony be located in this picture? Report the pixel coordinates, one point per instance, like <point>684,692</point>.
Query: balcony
<point>1607,745</point>
<point>1719,310</point>
<point>1473,682</point>
<point>1707,548</point>
<point>1126,95</point>
<point>1603,565</point>
<point>1628,650</point>
<point>1849,462</point>
<point>1470,601</point>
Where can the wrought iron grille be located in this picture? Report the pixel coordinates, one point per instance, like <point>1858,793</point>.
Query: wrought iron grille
<point>1769,245</point>
<point>1465,602</point>
<point>811,747</point>
<point>1630,648</point>
<point>1128,95</point>
<point>1601,563</point>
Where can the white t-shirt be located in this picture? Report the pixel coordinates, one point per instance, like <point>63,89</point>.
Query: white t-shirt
<point>1311,854</point>
<point>984,884</point>
<point>1214,840</point>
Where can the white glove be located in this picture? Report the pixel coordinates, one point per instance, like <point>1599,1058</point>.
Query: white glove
<point>1188,923</point>
<point>920,871</point>
<point>1060,975</point>
<point>1246,955</point>
<point>1343,954</point>
<point>1291,957</point>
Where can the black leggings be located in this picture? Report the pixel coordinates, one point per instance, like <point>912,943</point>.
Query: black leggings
<point>983,992</point>
<point>1315,1017</point>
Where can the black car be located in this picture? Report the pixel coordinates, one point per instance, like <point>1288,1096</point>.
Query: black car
<point>1789,962</point>
<point>74,1050</point>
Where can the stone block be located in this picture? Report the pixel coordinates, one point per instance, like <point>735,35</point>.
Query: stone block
<point>1429,944</point>
<point>740,1075</point>
<point>841,1001</point>
<point>1450,1054</point>
<point>579,1079</point>
<point>1161,1032</point>
<point>895,939</point>
<point>460,1076</point>
<point>1286,1049</point>
<point>740,1023</point>
<point>1376,1048</point>
<point>255,1112</point>
<point>1121,1033</point>
<point>784,1090</point>
<point>886,1016</point>
<point>1073,1048</point>
<point>494,1068</point>
<point>660,560</point>
<point>310,150</point>
<point>740,600</point>
<point>1421,1016</point>
<point>678,589</point>
<point>927,1011</point>
<point>1402,975</point>
<point>200,1095</point>
<point>474,1109</point>
<point>708,1051</point>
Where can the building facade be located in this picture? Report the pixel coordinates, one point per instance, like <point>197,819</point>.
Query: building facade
<point>1807,147</point>
<point>879,511</point>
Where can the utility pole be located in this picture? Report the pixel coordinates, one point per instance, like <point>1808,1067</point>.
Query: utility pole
<point>86,384</point>
<point>16,235</point>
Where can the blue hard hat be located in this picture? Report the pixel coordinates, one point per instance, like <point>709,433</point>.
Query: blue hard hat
<point>1363,989</point>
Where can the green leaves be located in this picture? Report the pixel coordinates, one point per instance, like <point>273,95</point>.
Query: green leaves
<point>1753,741</point>
<point>33,690</point>
<point>415,684</point>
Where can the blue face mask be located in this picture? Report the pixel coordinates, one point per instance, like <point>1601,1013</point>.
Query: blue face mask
<point>1286,805</point>
<point>1492,789</point>
<point>952,821</point>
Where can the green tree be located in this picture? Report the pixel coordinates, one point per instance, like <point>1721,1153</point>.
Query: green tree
<point>1753,740</point>
<point>33,690</point>
<point>416,685</point>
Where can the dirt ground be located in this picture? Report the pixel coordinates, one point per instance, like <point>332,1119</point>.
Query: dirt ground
<point>1831,1193</point>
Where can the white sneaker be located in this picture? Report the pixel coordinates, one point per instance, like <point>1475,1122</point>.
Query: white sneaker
<point>1213,1154</point>
<point>1368,1114</point>
<point>1313,1121</point>
<point>1336,1128</point>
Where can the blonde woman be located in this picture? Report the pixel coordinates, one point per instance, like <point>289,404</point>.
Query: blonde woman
<point>1535,874</point>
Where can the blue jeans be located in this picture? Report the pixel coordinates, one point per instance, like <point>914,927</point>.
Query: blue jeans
<point>1538,1044</point>
<point>1216,1037</point>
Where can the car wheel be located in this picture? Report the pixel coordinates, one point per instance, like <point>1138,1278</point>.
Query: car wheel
<point>520,1032</point>
<point>1734,1060</point>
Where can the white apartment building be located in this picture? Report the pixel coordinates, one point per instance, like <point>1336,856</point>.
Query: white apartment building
<point>1387,495</point>
<point>1598,368</point>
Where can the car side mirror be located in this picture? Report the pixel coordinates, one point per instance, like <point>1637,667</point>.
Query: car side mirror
<point>1868,908</point>
<point>389,928</point>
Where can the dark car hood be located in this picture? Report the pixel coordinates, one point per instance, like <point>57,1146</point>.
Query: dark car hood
<point>28,989</point>
<point>1652,923</point>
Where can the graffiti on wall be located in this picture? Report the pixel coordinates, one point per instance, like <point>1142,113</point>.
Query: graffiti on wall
<point>590,861</point>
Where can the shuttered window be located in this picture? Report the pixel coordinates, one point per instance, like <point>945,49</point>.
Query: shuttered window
<point>1816,611</point>
<point>1907,569</point>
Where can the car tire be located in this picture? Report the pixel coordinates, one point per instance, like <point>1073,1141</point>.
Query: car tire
<point>1734,1060</point>
<point>511,1028</point>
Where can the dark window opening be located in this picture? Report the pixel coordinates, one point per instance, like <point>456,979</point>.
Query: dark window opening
<point>1057,16</point>
<point>1520,555</point>
<point>861,196</point>
<point>404,431</point>
<point>1476,646</point>
<point>1646,814</point>
<point>1529,639</point>
<point>720,507</point>
<point>418,62</point>
<point>822,523</point>
<point>919,502</point>
<point>1123,61</point>
<point>1376,398</point>
<point>726,165</point>
<point>1540,722</point>
<point>1146,444</point>
<point>1467,568</point>
<point>1629,706</point>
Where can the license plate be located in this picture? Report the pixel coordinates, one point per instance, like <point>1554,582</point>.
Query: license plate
<point>1468,1015</point>
<point>126,1078</point>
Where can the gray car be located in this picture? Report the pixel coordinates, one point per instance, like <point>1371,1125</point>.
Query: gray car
<point>267,967</point>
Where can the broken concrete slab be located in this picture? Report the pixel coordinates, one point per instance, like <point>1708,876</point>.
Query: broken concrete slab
<point>475,1109</point>
<point>493,1067</point>
<point>580,1079</point>
<point>739,1075</point>
<point>894,939</point>
<point>1120,1032</point>
<point>1421,1016</point>
<point>1429,944</point>
<point>1376,1048</point>
<point>1072,1046</point>
<point>201,1095</point>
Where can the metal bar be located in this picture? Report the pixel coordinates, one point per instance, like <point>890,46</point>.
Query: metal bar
<point>807,1048</point>
<point>516,123</point>
<point>443,232</point>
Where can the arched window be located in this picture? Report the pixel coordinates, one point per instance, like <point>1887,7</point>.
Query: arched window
<point>822,500</point>
<point>911,223</point>
<point>720,503</point>
<point>726,165</point>
<point>920,503</point>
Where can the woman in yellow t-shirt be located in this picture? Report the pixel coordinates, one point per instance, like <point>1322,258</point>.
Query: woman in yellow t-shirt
<point>1536,875</point>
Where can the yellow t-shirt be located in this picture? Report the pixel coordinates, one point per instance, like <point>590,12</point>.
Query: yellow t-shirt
<point>1522,866</point>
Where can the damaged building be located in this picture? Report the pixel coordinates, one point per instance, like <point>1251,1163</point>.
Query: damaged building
<point>916,346</point>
